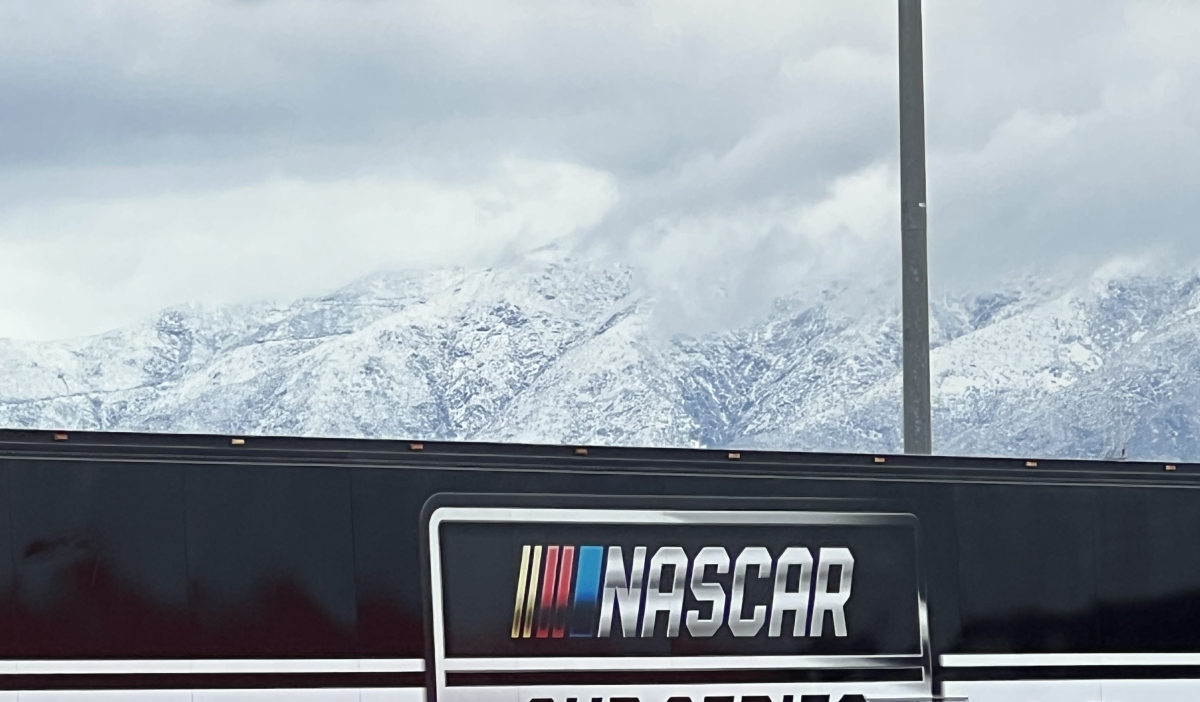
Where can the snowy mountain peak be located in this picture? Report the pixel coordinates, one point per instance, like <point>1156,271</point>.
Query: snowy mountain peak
<point>550,348</point>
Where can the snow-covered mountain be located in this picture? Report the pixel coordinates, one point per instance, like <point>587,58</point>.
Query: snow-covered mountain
<point>555,350</point>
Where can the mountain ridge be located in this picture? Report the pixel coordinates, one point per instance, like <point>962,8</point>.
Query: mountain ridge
<point>552,349</point>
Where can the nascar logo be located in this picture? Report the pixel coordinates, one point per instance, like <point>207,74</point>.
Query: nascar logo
<point>577,591</point>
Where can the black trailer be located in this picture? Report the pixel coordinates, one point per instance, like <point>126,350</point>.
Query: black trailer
<point>168,567</point>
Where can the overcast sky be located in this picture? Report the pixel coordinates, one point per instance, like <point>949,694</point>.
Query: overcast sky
<point>153,153</point>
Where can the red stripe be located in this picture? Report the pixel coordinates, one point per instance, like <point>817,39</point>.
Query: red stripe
<point>564,591</point>
<point>548,581</point>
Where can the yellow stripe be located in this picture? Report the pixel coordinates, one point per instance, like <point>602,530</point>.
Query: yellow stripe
<point>531,599</point>
<point>518,607</point>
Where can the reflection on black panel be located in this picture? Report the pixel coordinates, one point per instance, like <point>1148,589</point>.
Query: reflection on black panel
<point>270,554</point>
<point>99,559</point>
<point>387,558</point>
<point>8,598</point>
<point>1027,568</point>
<point>1149,563</point>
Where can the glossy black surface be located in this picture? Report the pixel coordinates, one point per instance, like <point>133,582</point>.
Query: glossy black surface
<point>1026,555</point>
<point>126,546</point>
<point>387,560</point>
<point>98,560</point>
<point>270,555</point>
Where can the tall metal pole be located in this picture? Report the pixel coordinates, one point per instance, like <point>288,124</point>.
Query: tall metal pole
<point>918,437</point>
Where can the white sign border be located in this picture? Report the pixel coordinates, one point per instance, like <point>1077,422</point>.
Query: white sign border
<point>659,517</point>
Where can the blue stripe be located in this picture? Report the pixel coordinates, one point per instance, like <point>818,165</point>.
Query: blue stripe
<point>587,591</point>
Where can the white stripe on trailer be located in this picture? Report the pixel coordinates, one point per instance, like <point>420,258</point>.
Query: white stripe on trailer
<point>1075,690</point>
<point>282,695</point>
<point>1064,660</point>
<point>212,666</point>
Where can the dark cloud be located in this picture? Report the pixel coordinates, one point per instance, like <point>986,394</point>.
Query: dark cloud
<point>1061,130</point>
<point>737,148</point>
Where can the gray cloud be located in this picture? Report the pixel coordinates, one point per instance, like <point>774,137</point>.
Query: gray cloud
<point>1059,130</point>
<point>728,151</point>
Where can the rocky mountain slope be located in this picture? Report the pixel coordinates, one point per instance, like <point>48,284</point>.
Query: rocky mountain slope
<point>556,350</point>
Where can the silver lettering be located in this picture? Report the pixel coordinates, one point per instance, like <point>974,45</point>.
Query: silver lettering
<point>783,600</point>
<point>718,558</point>
<point>669,601</point>
<point>832,602</point>
<point>622,591</point>
<point>760,559</point>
